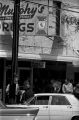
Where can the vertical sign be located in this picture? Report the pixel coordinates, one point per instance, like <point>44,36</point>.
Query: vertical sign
<point>41,25</point>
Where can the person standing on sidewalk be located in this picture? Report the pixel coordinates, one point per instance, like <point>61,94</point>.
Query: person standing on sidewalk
<point>76,90</point>
<point>28,93</point>
<point>67,87</point>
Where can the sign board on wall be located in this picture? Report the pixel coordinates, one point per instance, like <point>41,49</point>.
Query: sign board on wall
<point>36,22</point>
<point>38,64</point>
<point>70,29</point>
<point>30,12</point>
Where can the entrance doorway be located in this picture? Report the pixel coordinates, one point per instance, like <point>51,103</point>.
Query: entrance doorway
<point>24,74</point>
<point>42,78</point>
<point>76,77</point>
<point>8,76</point>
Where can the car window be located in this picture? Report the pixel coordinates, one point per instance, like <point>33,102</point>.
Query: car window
<point>2,105</point>
<point>59,100</point>
<point>40,100</point>
<point>32,101</point>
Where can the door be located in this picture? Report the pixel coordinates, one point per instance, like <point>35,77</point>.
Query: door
<point>42,102</point>
<point>60,108</point>
<point>25,74</point>
<point>18,114</point>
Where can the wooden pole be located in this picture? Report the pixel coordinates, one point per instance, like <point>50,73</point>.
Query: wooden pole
<point>15,41</point>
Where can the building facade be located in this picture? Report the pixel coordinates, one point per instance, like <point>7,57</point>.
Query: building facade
<point>48,42</point>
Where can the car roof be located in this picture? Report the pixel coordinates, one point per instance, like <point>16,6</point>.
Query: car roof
<point>72,99</point>
<point>50,94</point>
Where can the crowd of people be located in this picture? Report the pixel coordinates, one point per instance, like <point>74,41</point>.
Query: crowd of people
<point>66,87</point>
<point>53,87</point>
<point>15,95</point>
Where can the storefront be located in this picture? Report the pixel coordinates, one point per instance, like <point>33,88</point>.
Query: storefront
<point>46,47</point>
<point>39,73</point>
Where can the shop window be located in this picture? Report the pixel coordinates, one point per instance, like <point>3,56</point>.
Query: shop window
<point>23,76</point>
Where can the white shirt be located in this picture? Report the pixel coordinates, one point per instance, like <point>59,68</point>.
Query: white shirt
<point>67,88</point>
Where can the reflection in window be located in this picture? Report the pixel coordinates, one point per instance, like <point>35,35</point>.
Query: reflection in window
<point>32,102</point>
<point>2,105</point>
<point>40,100</point>
<point>59,100</point>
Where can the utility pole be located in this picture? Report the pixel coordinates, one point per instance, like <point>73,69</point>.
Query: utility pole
<point>15,43</point>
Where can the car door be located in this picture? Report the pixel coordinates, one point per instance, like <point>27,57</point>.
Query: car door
<point>42,102</point>
<point>18,113</point>
<point>60,108</point>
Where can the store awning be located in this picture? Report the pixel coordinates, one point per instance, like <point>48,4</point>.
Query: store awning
<point>74,60</point>
<point>49,57</point>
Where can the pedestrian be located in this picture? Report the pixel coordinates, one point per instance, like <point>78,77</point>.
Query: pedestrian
<point>67,87</point>
<point>36,85</point>
<point>12,91</point>
<point>7,93</point>
<point>76,90</point>
<point>57,86</point>
<point>28,93</point>
<point>49,88</point>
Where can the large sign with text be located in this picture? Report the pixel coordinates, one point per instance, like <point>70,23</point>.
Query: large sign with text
<point>29,13</point>
<point>70,29</point>
<point>37,24</point>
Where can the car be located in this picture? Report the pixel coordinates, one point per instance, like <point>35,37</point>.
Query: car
<point>54,106</point>
<point>18,113</point>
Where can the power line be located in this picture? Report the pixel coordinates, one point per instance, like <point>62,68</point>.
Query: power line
<point>52,6</point>
<point>70,6</point>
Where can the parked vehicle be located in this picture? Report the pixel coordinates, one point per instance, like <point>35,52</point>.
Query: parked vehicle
<point>54,106</point>
<point>18,113</point>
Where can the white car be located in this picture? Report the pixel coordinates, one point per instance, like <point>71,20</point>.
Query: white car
<point>12,113</point>
<point>53,106</point>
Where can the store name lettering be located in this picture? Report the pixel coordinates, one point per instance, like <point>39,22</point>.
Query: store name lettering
<point>27,10</point>
<point>69,20</point>
<point>22,27</point>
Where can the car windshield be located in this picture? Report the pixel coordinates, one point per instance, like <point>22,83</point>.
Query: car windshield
<point>29,100</point>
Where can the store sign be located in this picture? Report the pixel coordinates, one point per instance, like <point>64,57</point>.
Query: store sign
<point>38,64</point>
<point>41,25</point>
<point>70,31</point>
<point>22,27</point>
<point>33,28</point>
<point>6,10</point>
<point>75,63</point>
<point>28,16</point>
